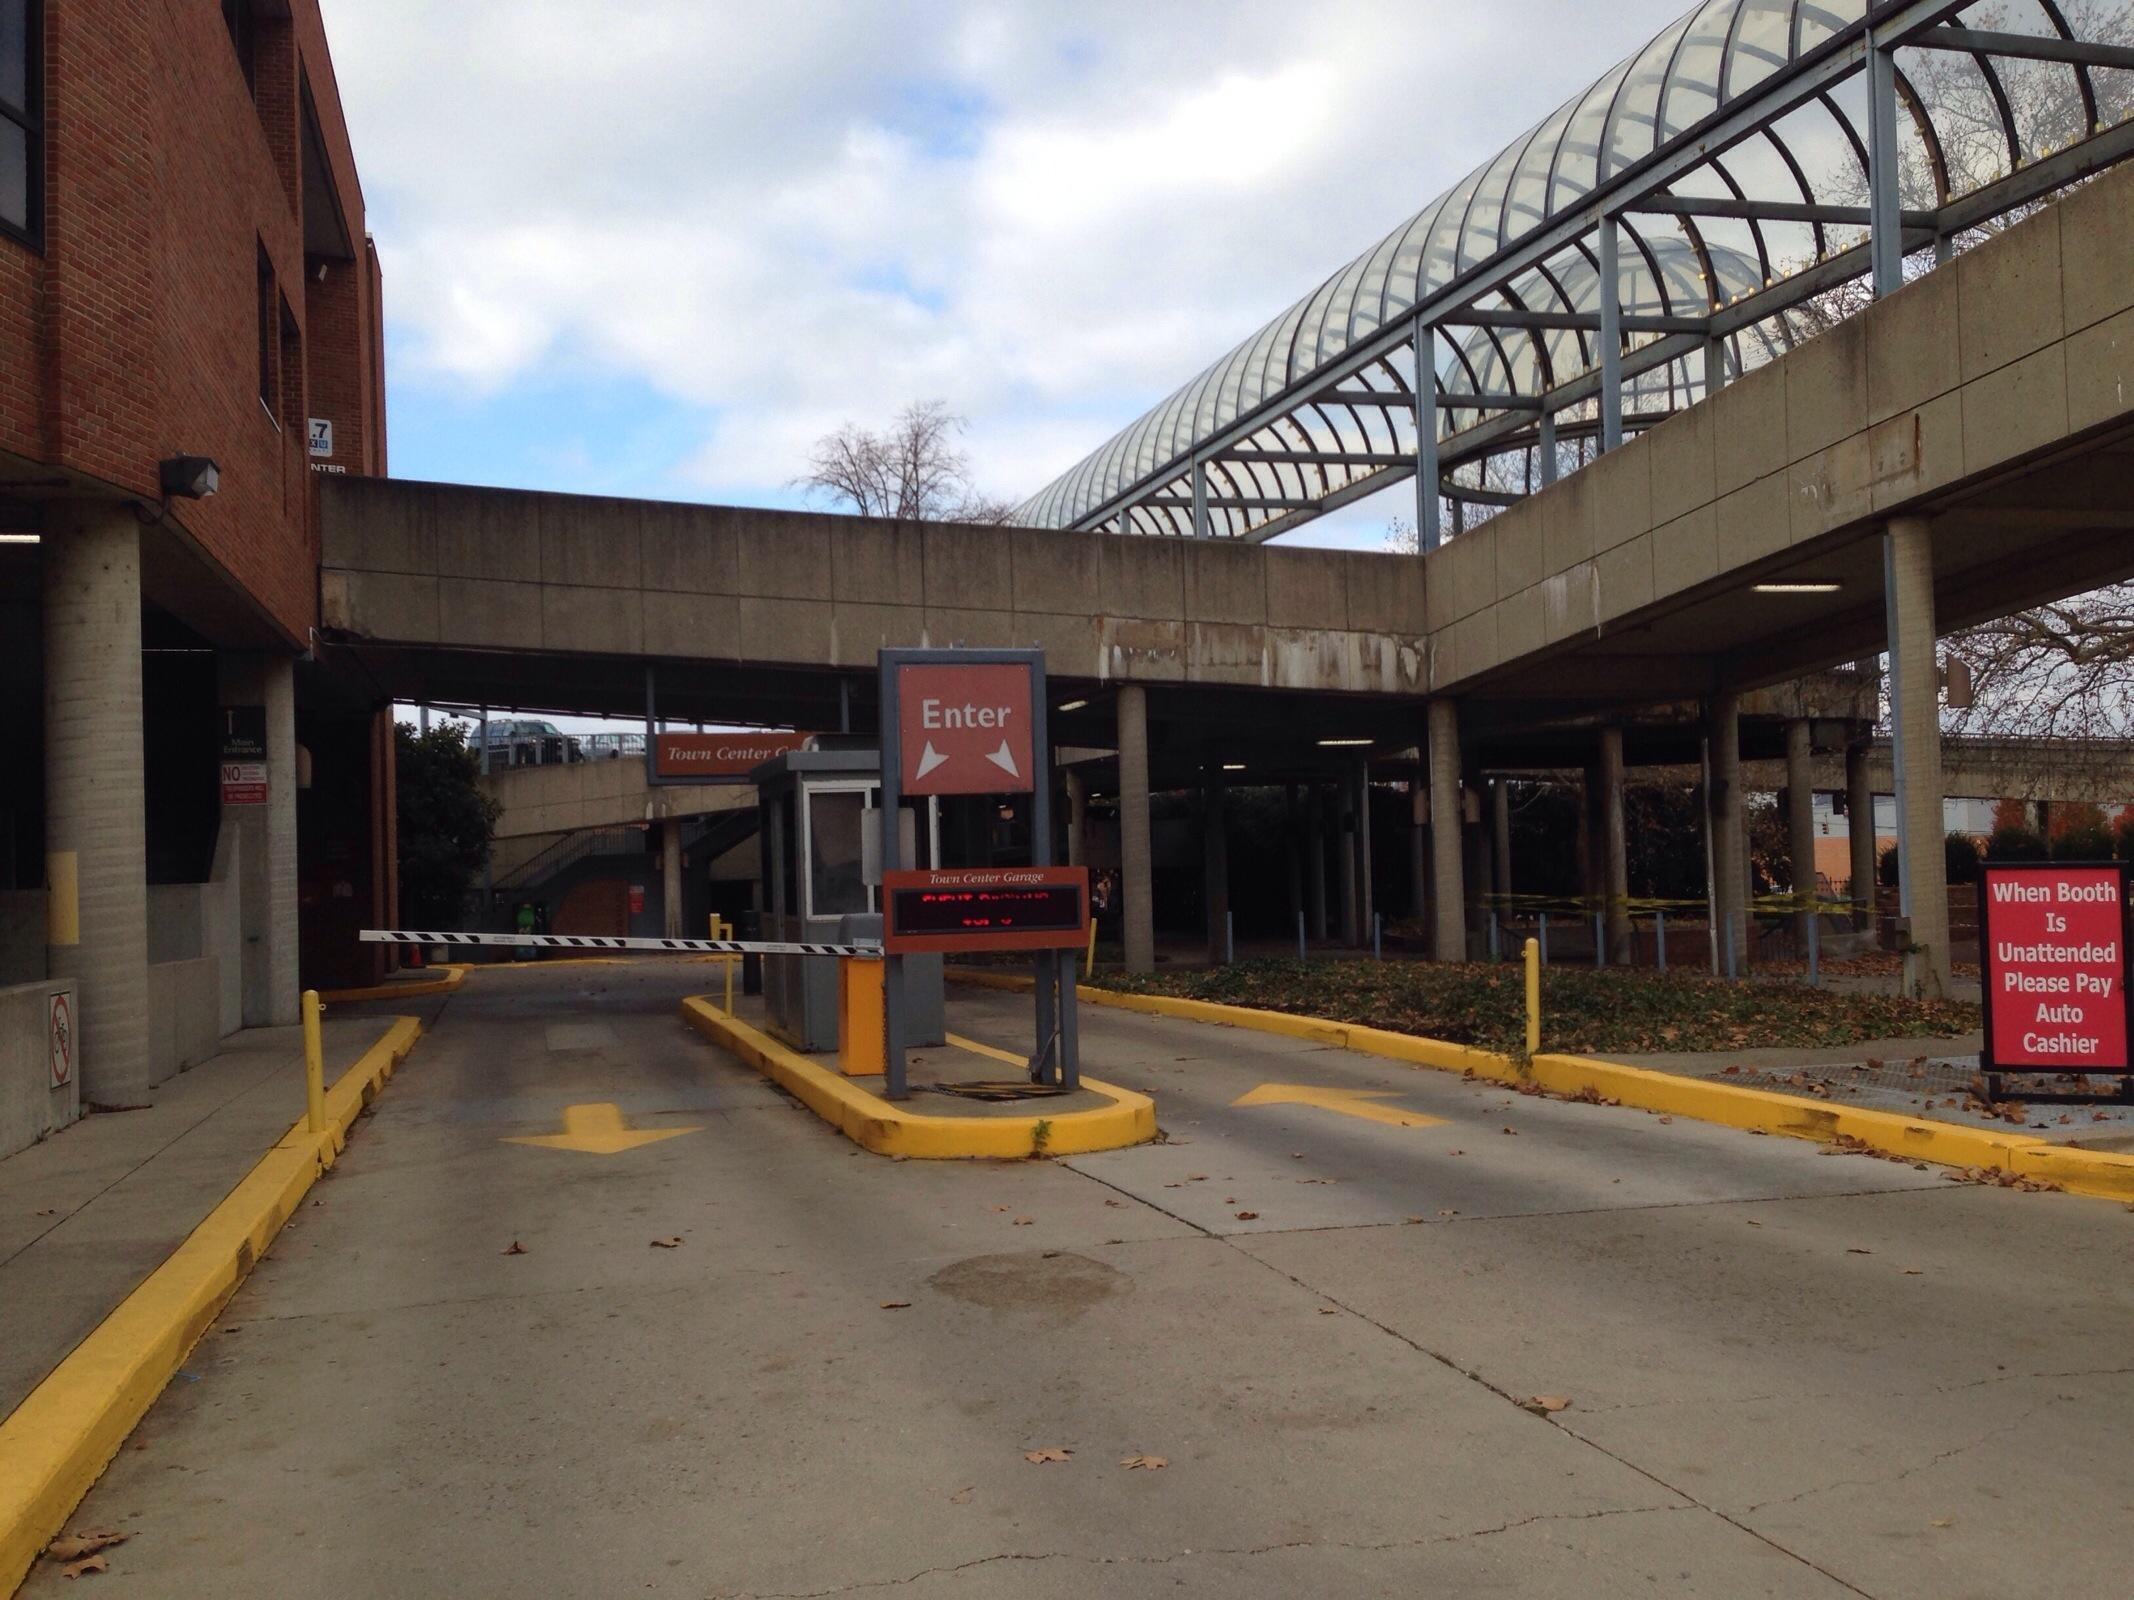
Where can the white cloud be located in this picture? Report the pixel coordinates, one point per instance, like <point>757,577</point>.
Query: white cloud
<point>1048,215</point>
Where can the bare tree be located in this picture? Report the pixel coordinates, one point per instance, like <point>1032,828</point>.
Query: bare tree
<point>911,470</point>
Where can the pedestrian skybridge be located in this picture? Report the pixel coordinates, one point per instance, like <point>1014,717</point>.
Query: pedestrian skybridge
<point>1715,199</point>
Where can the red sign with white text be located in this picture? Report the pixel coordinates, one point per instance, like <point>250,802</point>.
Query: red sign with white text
<point>2053,954</point>
<point>964,729</point>
<point>719,757</point>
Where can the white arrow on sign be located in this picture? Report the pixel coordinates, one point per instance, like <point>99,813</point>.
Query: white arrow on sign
<point>1003,758</point>
<point>930,758</point>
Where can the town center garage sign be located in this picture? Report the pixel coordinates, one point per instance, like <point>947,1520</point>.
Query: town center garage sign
<point>2053,949</point>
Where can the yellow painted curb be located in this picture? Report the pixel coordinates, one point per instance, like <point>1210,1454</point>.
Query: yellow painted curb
<point>56,1444</point>
<point>455,974</point>
<point>889,1130</point>
<point>2105,1174</point>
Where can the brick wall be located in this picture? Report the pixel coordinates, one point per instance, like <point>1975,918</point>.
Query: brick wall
<point>165,180</point>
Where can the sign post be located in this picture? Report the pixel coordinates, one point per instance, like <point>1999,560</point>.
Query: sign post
<point>2053,958</point>
<point>973,722</point>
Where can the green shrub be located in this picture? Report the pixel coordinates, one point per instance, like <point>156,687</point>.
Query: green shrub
<point>2008,843</point>
<point>1960,855</point>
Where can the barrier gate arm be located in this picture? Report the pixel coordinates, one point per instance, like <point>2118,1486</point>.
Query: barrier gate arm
<point>593,941</point>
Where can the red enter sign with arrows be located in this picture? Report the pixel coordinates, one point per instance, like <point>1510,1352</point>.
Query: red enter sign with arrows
<point>964,729</point>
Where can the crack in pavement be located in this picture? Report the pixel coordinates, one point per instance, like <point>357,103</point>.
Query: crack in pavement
<point>1707,1402</point>
<point>1248,1551</point>
<point>1934,1460</point>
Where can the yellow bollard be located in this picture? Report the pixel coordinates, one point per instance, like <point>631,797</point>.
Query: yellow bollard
<point>314,1064</point>
<point>725,930</point>
<point>1089,959</point>
<point>1533,997</point>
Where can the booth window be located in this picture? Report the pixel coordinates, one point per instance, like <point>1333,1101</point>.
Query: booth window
<point>21,121</point>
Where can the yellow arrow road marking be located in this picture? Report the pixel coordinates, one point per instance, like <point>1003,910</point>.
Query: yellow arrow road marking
<point>598,1130</point>
<point>1349,1102</point>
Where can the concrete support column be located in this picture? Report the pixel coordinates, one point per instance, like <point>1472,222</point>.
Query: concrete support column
<point>1860,827</point>
<point>1345,863</point>
<point>1729,843</point>
<point>1215,864</point>
<point>1915,722</point>
<point>1138,913</point>
<point>1800,817</point>
<point>1418,849</point>
<point>1500,835</point>
<point>1077,817</point>
<point>670,872</point>
<point>96,861</point>
<point>1315,860</point>
<point>266,841</point>
<point>1614,847</point>
<point>1366,895</point>
<point>1447,883</point>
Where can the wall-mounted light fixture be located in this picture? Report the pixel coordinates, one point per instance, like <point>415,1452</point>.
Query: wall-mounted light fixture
<point>189,477</point>
<point>1340,744</point>
<point>1795,588</point>
<point>1074,705</point>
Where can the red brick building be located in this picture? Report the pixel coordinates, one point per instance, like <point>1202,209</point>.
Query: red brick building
<point>189,334</point>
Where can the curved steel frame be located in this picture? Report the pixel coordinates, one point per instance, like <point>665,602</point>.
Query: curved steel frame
<point>1693,213</point>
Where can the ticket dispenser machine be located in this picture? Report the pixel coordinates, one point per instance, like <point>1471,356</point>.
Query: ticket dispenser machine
<point>822,884</point>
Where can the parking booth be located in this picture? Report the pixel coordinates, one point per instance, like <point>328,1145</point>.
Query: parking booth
<point>822,884</point>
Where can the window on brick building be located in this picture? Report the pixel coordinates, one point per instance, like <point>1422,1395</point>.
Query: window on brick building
<point>291,369</point>
<point>21,125</point>
<point>270,394</point>
<point>238,17</point>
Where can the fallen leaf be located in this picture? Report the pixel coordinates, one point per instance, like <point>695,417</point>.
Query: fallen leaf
<point>1543,1405</point>
<point>1752,1222</point>
<point>1426,1219</point>
<point>1329,1311</point>
<point>962,1497</point>
<point>1667,1119</point>
<point>73,1546</point>
<point>1911,1272</point>
<point>85,1566</point>
<point>672,1242</point>
<point>1459,1152</point>
<point>1115,1202</point>
<point>1024,1222</point>
<point>1143,1463</point>
<point>1038,1458</point>
<point>1511,1130</point>
<point>1858,1250</point>
<point>1248,1216</point>
<point>896,1305</point>
<point>1944,1522</point>
<point>1196,1177</point>
<point>517,1249</point>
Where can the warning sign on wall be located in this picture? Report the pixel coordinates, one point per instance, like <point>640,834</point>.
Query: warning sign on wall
<point>2054,960</point>
<point>60,1039</point>
<point>244,783</point>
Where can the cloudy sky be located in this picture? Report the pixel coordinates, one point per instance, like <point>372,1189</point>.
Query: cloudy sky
<point>661,251</point>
